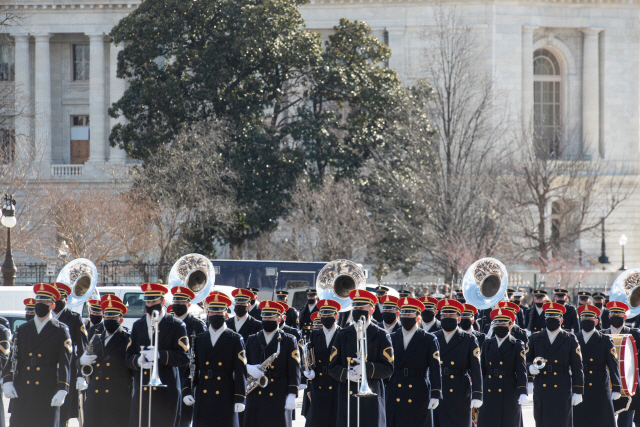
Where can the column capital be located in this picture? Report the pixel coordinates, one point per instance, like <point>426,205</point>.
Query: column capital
<point>42,37</point>
<point>20,37</point>
<point>96,37</point>
<point>591,31</point>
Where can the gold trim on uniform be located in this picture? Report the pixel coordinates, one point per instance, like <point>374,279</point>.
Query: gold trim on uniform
<point>523,356</point>
<point>242,356</point>
<point>436,355</point>
<point>613,351</point>
<point>128,345</point>
<point>2,349</point>
<point>388,355</point>
<point>578,351</point>
<point>185,347</point>
<point>296,355</point>
<point>67,344</point>
<point>333,353</point>
<point>476,353</point>
<point>526,350</point>
<point>84,331</point>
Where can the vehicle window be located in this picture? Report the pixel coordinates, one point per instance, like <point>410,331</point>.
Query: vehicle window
<point>135,304</point>
<point>17,323</point>
<point>299,300</point>
<point>85,308</point>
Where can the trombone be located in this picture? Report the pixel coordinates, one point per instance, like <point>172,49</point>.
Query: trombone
<point>361,354</point>
<point>154,381</point>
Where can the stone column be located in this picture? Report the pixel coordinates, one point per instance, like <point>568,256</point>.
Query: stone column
<point>23,97</point>
<point>396,43</point>
<point>97,110</point>
<point>43,99</point>
<point>591,93</point>
<point>527,74</point>
<point>116,90</point>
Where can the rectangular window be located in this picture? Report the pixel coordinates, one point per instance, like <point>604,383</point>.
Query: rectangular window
<point>7,63</point>
<point>81,62</point>
<point>80,146</point>
<point>7,146</point>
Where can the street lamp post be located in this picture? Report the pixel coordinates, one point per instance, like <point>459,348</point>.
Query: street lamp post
<point>623,241</point>
<point>9,221</point>
<point>603,259</point>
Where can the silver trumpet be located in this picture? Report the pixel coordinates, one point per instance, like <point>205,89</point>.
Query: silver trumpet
<point>539,363</point>
<point>154,381</point>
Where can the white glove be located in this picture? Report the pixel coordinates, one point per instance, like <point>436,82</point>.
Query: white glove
<point>357,370</point>
<point>523,399</point>
<point>528,332</point>
<point>58,399</point>
<point>238,407</point>
<point>354,377</point>
<point>254,371</point>
<point>476,403</point>
<point>148,354</point>
<point>290,404</point>
<point>534,370</point>
<point>302,386</point>
<point>433,403</point>
<point>530,388</point>
<point>188,400</point>
<point>81,384</point>
<point>88,359</point>
<point>310,374</point>
<point>147,365</point>
<point>9,391</point>
<point>615,395</point>
<point>576,399</point>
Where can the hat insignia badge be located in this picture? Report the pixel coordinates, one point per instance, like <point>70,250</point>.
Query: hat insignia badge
<point>148,287</point>
<point>110,304</point>
<point>406,300</point>
<point>215,299</point>
<point>266,305</point>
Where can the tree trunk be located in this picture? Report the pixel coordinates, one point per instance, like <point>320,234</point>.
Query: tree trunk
<point>235,248</point>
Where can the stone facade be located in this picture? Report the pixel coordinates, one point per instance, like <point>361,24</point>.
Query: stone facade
<point>596,44</point>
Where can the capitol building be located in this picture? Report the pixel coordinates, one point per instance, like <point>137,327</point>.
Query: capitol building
<point>587,54</point>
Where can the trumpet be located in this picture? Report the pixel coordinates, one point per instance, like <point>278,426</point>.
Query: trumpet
<point>539,362</point>
<point>308,355</point>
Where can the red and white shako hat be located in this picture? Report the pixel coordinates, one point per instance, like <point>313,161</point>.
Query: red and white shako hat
<point>410,305</point>
<point>153,291</point>
<point>218,302</point>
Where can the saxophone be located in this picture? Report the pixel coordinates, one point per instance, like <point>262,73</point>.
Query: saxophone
<point>253,383</point>
<point>14,357</point>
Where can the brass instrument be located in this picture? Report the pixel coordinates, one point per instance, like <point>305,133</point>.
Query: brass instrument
<point>14,357</point>
<point>308,355</point>
<point>361,355</point>
<point>81,275</point>
<point>539,363</point>
<point>87,370</point>
<point>338,278</point>
<point>193,271</point>
<point>485,283</point>
<point>253,383</point>
<point>154,381</point>
<point>192,360</point>
<point>626,289</point>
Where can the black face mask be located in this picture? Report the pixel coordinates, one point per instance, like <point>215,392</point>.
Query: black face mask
<point>29,316</point>
<point>561,301</point>
<point>311,301</point>
<point>552,323</point>
<point>465,324</point>
<point>269,325</point>
<point>462,301</point>
<point>357,314</point>
<point>157,307</point>
<point>539,304</point>
<point>216,321</point>
<point>240,310</point>
<point>179,309</point>
<point>389,318</point>
<point>449,324</point>
<point>328,322</point>
<point>616,322</point>
<point>598,304</point>
<point>517,303</point>
<point>501,331</point>
<point>428,316</point>
<point>587,325</point>
<point>111,325</point>
<point>60,305</point>
<point>95,319</point>
<point>408,323</point>
<point>42,309</point>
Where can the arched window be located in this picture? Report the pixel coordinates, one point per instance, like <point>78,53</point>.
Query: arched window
<point>547,102</point>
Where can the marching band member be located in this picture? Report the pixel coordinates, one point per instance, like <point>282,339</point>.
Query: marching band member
<point>405,293</point>
<point>600,365</point>
<point>534,318</point>
<point>305,315</point>
<point>598,301</point>
<point>617,317</point>
<point>272,405</point>
<point>390,314</point>
<point>560,384</point>
<point>380,292</point>
<point>517,332</point>
<point>570,320</point>
<point>517,300</point>
<point>428,316</point>
<point>79,341</point>
<point>41,383</point>
<point>254,308</point>
<point>296,334</point>
<point>306,402</point>
<point>346,368</point>
<point>220,370</point>
<point>108,400</point>
<point>94,324</point>
<point>583,298</point>
<point>460,361</point>
<point>323,387</point>
<point>416,372</point>
<point>243,323</point>
<point>182,297</point>
<point>29,308</point>
<point>293,319</point>
<point>504,374</point>
<point>467,320</point>
<point>173,347</point>
<point>317,322</point>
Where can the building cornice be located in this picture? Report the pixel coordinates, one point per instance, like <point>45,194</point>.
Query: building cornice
<point>71,4</point>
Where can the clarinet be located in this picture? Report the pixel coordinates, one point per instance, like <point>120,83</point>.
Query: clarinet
<point>14,357</point>
<point>192,361</point>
